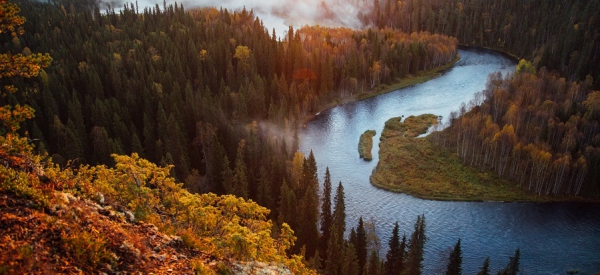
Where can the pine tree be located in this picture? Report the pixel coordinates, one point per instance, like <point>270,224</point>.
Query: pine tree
<point>352,236</point>
<point>308,233</point>
<point>227,176</point>
<point>333,264</point>
<point>350,263</point>
<point>455,261</point>
<point>361,245</point>
<point>394,264</point>
<point>240,182</point>
<point>373,267</point>
<point>513,264</point>
<point>414,263</point>
<point>402,255</point>
<point>264,196</point>
<point>485,269</point>
<point>287,206</point>
<point>315,262</point>
<point>335,247</point>
<point>326,214</point>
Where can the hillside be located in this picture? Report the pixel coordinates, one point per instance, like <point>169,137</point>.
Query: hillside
<point>131,218</point>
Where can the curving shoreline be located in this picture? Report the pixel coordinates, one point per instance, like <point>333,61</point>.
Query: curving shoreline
<point>419,167</point>
<point>420,77</point>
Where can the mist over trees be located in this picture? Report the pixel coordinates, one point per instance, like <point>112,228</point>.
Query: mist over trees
<point>219,96</point>
<point>212,92</point>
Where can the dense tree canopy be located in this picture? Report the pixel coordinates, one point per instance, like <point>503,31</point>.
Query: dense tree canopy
<point>218,98</point>
<point>561,35</point>
<point>538,129</point>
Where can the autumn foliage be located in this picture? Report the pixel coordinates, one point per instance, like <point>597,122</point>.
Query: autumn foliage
<point>536,129</point>
<point>224,227</point>
<point>133,217</point>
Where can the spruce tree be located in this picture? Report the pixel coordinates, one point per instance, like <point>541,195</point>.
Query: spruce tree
<point>361,245</point>
<point>240,182</point>
<point>287,206</point>
<point>308,233</point>
<point>414,263</point>
<point>455,261</point>
<point>335,247</point>
<point>513,264</point>
<point>485,269</point>
<point>394,264</point>
<point>339,212</point>
<point>373,266</point>
<point>350,263</point>
<point>402,255</point>
<point>352,236</point>
<point>326,215</point>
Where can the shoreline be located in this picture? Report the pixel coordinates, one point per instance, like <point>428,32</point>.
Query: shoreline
<point>506,54</point>
<point>456,199</point>
<point>421,168</point>
<point>410,80</point>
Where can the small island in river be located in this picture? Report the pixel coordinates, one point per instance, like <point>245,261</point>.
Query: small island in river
<point>419,167</point>
<point>365,145</point>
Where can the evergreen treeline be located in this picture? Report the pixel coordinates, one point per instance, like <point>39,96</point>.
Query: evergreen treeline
<point>211,92</point>
<point>182,87</point>
<point>561,35</point>
<point>404,256</point>
<point>540,131</point>
<point>535,128</point>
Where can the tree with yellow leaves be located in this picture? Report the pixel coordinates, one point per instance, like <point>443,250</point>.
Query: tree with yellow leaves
<point>16,65</point>
<point>242,53</point>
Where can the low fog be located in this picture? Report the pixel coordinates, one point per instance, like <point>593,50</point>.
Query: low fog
<point>279,14</point>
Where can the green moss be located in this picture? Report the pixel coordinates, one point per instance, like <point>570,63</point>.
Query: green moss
<point>365,144</point>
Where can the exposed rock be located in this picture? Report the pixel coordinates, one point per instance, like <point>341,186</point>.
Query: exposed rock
<point>129,216</point>
<point>100,198</point>
<point>259,268</point>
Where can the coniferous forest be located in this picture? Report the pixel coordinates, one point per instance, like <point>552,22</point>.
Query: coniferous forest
<point>217,99</point>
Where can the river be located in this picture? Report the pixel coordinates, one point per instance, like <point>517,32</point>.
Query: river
<point>553,237</point>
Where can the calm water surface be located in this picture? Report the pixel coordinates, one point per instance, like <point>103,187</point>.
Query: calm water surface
<point>553,238</point>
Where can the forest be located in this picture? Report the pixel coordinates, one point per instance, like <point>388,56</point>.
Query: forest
<point>540,127</point>
<point>559,35</point>
<point>220,112</point>
<point>123,83</point>
<point>537,129</point>
<point>216,97</point>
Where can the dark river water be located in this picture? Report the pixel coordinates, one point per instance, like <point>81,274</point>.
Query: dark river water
<point>553,237</point>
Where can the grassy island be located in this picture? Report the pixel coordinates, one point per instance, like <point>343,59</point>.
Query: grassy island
<point>365,144</point>
<point>419,167</point>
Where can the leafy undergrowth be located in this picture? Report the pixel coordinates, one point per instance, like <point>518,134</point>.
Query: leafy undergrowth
<point>365,144</point>
<point>130,218</point>
<point>418,167</point>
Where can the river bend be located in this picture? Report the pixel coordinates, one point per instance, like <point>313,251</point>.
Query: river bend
<point>553,237</point>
